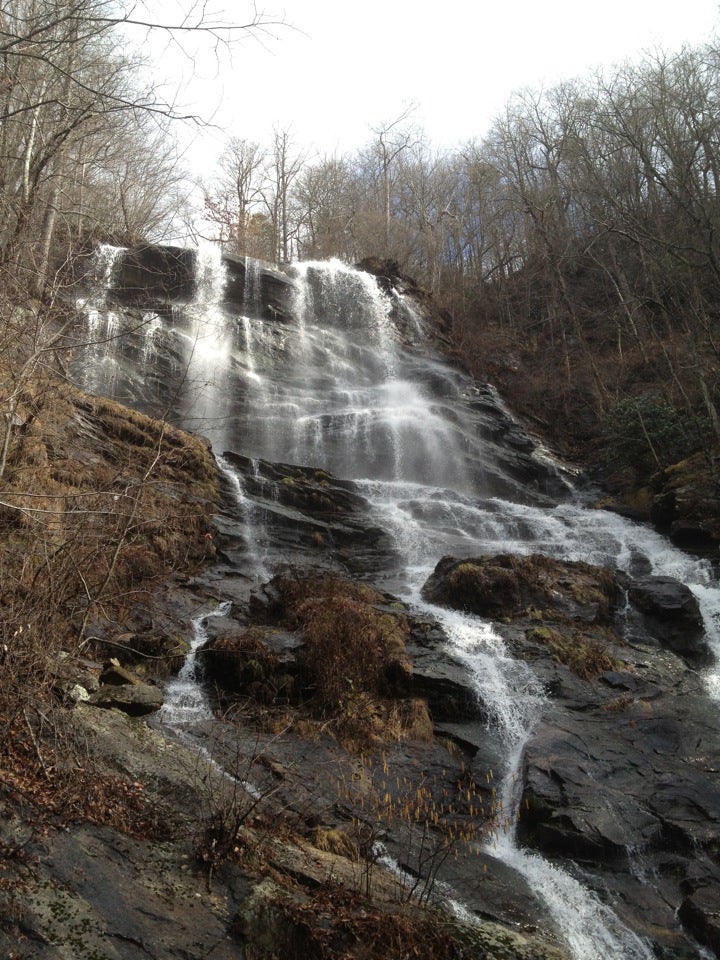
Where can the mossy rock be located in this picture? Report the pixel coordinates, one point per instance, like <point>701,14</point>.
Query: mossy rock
<point>587,656</point>
<point>507,587</point>
<point>686,502</point>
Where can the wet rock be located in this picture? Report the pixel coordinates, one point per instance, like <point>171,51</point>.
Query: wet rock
<point>147,647</point>
<point>686,503</point>
<point>626,753</point>
<point>260,662</point>
<point>631,773</point>
<point>672,616</point>
<point>268,291</point>
<point>440,679</point>
<point>306,510</point>
<point>700,915</point>
<point>154,275</point>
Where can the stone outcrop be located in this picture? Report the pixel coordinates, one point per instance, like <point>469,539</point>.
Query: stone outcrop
<point>135,699</point>
<point>154,277</point>
<point>682,501</point>
<point>672,616</point>
<point>307,512</point>
<point>686,503</point>
<point>151,274</point>
<point>700,913</point>
<point>97,892</point>
<point>506,586</point>
<point>266,290</point>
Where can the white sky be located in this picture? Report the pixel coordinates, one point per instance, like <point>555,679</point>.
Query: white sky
<point>344,68</point>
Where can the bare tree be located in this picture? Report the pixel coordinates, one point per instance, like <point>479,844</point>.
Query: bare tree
<point>283,168</point>
<point>393,138</point>
<point>236,195</point>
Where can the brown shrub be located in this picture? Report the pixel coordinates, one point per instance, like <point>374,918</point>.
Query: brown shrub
<point>350,647</point>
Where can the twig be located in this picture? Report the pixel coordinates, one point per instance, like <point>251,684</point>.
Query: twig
<point>35,744</point>
<point>124,646</point>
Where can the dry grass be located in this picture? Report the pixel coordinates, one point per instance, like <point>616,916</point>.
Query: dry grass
<point>98,505</point>
<point>587,657</point>
<point>508,585</point>
<point>353,671</point>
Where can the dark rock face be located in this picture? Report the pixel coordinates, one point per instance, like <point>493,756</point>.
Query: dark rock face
<point>700,913</point>
<point>624,785</point>
<point>686,504</point>
<point>153,274</point>
<point>303,509</point>
<point>270,291</point>
<point>439,679</point>
<point>157,276</point>
<point>258,662</point>
<point>672,615</point>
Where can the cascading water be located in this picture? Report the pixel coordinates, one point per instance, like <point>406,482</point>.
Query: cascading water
<point>185,700</point>
<point>513,694</point>
<point>439,461</point>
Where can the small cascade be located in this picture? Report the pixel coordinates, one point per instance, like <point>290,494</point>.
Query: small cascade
<point>102,324</point>
<point>250,528</point>
<point>252,289</point>
<point>185,701</point>
<point>431,522</point>
<point>515,698</point>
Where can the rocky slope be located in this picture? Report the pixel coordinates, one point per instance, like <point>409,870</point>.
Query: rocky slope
<point>620,773</point>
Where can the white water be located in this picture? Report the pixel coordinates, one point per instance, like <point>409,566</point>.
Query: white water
<point>185,700</point>
<point>334,389</point>
<point>431,522</point>
<point>249,527</point>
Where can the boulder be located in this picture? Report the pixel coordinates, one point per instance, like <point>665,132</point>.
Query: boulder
<point>672,616</point>
<point>135,699</point>
<point>506,586</point>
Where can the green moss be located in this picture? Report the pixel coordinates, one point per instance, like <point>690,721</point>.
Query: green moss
<point>587,657</point>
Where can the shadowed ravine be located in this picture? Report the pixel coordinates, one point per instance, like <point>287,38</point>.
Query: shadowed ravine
<point>332,373</point>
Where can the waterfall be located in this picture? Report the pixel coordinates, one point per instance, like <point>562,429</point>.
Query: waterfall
<point>345,384</point>
<point>209,340</point>
<point>185,700</point>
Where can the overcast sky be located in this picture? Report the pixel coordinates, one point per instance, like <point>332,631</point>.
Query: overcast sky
<point>339,69</point>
